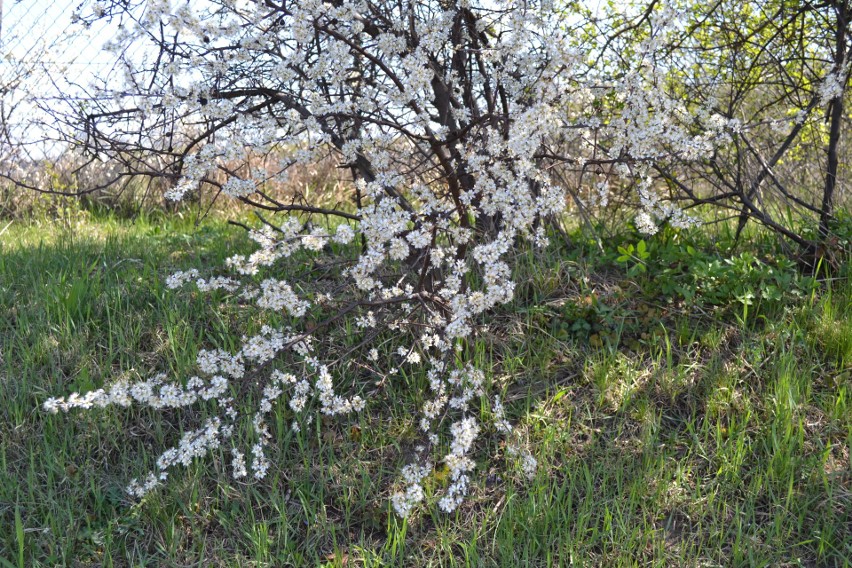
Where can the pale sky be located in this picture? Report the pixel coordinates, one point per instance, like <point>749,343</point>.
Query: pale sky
<point>42,56</point>
<point>40,31</point>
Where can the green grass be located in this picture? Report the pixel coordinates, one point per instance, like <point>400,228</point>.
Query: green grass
<point>666,436</point>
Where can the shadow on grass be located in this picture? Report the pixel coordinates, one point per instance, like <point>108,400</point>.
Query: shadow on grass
<point>728,448</point>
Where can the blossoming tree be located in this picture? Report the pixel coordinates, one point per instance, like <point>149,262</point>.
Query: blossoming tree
<point>452,120</point>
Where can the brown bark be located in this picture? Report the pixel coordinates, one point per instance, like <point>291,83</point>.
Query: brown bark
<point>836,118</point>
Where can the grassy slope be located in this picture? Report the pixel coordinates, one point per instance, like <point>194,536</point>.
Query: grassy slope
<point>681,439</point>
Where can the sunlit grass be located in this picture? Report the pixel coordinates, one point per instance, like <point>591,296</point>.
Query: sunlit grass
<point>664,437</point>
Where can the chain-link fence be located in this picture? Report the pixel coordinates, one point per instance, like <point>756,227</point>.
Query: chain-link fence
<point>45,56</point>
<point>52,65</point>
<point>47,61</point>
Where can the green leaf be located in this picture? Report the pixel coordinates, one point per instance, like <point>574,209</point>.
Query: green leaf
<point>19,534</point>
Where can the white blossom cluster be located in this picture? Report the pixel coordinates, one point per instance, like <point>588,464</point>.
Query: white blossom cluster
<point>405,501</point>
<point>654,210</point>
<point>222,367</point>
<point>834,84</point>
<point>466,385</point>
<point>500,422</point>
<point>464,433</point>
<point>272,247</point>
<point>529,465</point>
<point>180,278</point>
<point>278,295</point>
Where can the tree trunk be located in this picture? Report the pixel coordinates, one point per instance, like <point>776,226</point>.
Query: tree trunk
<point>836,117</point>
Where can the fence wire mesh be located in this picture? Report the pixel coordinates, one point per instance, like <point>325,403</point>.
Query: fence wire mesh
<point>52,66</point>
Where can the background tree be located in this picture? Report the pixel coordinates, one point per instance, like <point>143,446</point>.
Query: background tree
<point>777,73</point>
